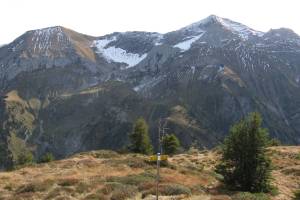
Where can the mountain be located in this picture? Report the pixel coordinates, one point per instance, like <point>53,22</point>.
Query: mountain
<point>65,92</point>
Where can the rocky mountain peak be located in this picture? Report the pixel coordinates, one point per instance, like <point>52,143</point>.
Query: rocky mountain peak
<point>283,33</point>
<point>239,29</point>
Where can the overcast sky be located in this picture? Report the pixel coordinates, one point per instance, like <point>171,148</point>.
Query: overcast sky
<point>99,17</point>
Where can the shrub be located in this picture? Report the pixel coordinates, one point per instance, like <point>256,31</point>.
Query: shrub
<point>26,188</point>
<point>136,162</point>
<point>96,197</point>
<point>250,196</point>
<point>83,187</point>
<point>175,189</point>
<point>297,195</point>
<point>48,157</point>
<point>134,179</point>
<point>119,191</point>
<point>169,190</point>
<point>105,154</point>
<point>36,186</point>
<point>110,186</point>
<point>125,192</point>
<point>68,182</point>
<point>25,158</point>
<point>274,142</point>
<point>8,187</point>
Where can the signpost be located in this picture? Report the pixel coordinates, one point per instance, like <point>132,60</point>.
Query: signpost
<point>154,158</point>
<point>157,176</point>
<point>159,156</point>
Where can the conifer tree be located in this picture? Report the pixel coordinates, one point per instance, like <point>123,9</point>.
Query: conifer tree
<point>139,138</point>
<point>170,144</point>
<point>245,165</point>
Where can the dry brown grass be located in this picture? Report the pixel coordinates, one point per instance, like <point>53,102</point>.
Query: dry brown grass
<point>106,175</point>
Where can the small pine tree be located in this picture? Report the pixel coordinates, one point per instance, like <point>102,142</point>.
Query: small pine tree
<point>25,158</point>
<point>139,138</point>
<point>245,165</point>
<point>274,142</point>
<point>170,144</point>
<point>48,157</point>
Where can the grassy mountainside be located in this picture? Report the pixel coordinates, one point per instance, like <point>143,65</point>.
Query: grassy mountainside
<point>109,175</point>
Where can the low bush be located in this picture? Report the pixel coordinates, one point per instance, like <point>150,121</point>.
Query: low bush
<point>8,187</point>
<point>27,188</point>
<point>297,195</point>
<point>35,186</point>
<point>68,182</point>
<point>119,191</point>
<point>96,197</point>
<point>136,179</point>
<point>169,190</point>
<point>274,142</point>
<point>291,171</point>
<point>105,154</point>
<point>48,157</point>
<point>110,186</point>
<point>25,158</point>
<point>174,189</point>
<point>58,191</point>
<point>125,192</point>
<point>133,162</point>
<point>250,196</point>
<point>83,187</point>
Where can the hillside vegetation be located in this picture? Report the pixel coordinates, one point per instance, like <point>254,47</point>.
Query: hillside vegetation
<point>109,175</point>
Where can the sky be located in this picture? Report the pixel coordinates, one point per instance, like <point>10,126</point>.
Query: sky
<point>100,17</point>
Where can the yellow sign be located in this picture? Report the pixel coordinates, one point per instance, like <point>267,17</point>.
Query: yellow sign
<point>162,157</point>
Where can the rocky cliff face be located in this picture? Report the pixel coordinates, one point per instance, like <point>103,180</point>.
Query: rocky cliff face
<point>66,92</point>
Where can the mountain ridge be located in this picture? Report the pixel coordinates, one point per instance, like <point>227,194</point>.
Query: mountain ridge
<point>201,79</point>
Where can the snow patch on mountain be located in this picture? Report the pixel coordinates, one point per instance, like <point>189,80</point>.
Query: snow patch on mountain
<point>116,54</point>
<point>240,29</point>
<point>47,38</point>
<point>158,40</point>
<point>186,44</point>
<point>243,31</point>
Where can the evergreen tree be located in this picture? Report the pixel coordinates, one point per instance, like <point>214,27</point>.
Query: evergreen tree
<point>139,138</point>
<point>245,165</point>
<point>48,157</point>
<point>170,144</point>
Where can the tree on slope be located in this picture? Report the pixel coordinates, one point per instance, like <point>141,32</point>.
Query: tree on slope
<point>139,138</point>
<point>245,165</point>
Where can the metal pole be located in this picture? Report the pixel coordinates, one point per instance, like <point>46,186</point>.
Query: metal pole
<point>163,135</point>
<point>157,176</point>
<point>158,158</point>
